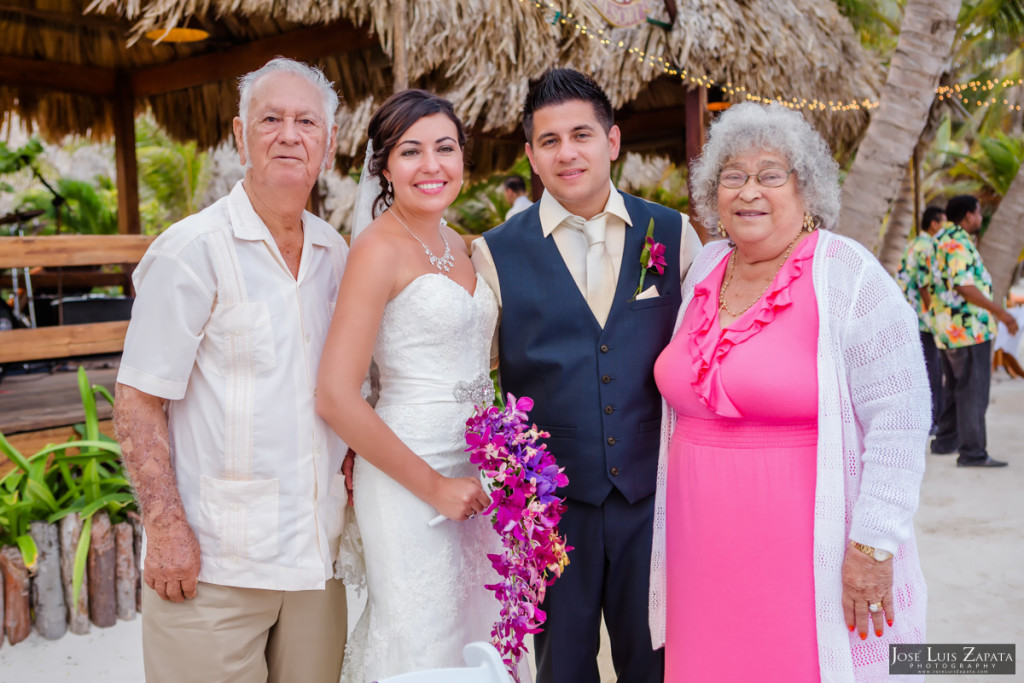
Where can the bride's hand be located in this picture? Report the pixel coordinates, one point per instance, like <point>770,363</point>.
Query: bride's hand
<point>459,498</point>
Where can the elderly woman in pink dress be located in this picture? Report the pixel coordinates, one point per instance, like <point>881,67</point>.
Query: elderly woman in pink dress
<point>796,416</point>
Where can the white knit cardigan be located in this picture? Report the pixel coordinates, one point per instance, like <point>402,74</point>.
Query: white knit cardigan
<point>873,421</point>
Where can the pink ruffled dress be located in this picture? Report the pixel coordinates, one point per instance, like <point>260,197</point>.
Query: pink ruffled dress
<point>741,476</point>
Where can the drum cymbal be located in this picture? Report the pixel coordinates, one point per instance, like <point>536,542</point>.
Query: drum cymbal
<point>20,216</point>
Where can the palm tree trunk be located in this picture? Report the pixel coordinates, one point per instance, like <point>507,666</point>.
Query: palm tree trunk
<point>1003,241</point>
<point>901,218</point>
<point>921,56</point>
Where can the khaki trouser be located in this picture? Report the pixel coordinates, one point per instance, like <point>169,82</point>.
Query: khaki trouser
<point>245,635</point>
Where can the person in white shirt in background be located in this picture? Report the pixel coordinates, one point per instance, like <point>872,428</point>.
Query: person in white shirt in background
<point>237,478</point>
<point>515,193</point>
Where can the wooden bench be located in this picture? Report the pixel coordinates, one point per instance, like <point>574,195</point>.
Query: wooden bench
<point>49,422</point>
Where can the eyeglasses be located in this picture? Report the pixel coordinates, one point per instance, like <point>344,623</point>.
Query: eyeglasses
<point>769,177</point>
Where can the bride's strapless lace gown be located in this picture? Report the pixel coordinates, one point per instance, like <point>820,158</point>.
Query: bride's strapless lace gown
<point>426,595</point>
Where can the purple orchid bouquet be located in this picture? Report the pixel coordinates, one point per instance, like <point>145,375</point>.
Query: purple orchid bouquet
<point>525,512</point>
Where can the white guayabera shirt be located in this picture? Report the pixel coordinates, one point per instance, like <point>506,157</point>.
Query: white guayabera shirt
<point>222,329</point>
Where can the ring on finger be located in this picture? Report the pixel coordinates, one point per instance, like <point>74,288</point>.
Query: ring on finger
<point>874,607</point>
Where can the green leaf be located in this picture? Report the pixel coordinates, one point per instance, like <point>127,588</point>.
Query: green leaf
<point>120,499</point>
<point>81,555</point>
<point>29,551</point>
<point>92,425</point>
<point>104,392</point>
<point>12,453</point>
<point>39,492</point>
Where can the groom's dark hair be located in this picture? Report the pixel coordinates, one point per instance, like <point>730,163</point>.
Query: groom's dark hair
<point>558,86</point>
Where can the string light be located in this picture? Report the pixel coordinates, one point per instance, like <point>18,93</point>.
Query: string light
<point>958,91</point>
<point>701,80</point>
<point>968,92</point>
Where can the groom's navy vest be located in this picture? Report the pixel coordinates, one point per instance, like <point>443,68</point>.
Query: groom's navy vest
<point>593,388</point>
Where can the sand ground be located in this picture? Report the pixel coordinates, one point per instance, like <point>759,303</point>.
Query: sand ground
<point>970,530</point>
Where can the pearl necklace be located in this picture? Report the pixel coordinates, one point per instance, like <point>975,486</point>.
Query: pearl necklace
<point>442,263</point>
<point>732,270</point>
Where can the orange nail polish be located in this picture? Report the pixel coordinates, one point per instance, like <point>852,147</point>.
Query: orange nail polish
<point>851,627</point>
<point>878,633</point>
<point>889,621</point>
<point>863,636</point>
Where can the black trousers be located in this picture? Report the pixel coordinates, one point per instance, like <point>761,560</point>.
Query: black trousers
<point>933,363</point>
<point>961,426</point>
<point>609,571</point>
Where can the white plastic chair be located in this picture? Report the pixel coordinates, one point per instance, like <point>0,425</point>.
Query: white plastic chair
<point>485,666</point>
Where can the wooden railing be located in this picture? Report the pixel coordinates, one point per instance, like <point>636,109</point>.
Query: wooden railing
<point>63,251</point>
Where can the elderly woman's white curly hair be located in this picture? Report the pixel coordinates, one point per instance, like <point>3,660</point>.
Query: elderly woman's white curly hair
<point>751,127</point>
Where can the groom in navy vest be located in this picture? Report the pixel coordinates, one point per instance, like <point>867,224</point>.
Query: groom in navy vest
<point>575,339</point>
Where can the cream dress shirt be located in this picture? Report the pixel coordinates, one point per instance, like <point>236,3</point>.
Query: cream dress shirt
<point>572,244</point>
<point>222,329</point>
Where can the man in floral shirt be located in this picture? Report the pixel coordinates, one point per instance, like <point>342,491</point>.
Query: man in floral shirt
<point>915,279</point>
<point>964,318</point>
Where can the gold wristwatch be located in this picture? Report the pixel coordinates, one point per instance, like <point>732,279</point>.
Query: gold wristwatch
<point>877,554</point>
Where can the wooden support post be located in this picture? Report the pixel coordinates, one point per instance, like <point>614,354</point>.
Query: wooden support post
<point>128,220</point>
<point>102,572</point>
<point>78,614</point>
<point>399,56</point>
<point>696,134</point>
<point>47,592</point>
<point>126,576</point>
<point>17,617</point>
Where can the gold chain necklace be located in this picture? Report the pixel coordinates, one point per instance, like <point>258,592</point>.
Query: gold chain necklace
<point>732,270</point>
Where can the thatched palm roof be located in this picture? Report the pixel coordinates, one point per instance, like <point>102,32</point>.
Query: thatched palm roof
<point>481,54</point>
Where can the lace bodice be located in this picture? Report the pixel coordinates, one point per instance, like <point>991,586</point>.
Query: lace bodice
<point>436,337</point>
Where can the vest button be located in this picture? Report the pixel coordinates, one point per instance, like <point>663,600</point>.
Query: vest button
<point>608,410</point>
<point>606,379</point>
<point>614,471</point>
<point>611,440</point>
<point>604,348</point>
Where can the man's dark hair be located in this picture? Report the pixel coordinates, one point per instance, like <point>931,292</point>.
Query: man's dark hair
<point>959,206</point>
<point>515,183</point>
<point>559,86</point>
<point>930,215</point>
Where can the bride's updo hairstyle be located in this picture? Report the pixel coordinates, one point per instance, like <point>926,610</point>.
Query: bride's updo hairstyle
<point>389,123</point>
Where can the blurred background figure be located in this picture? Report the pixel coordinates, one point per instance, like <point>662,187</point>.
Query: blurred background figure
<point>915,279</point>
<point>515,193</point>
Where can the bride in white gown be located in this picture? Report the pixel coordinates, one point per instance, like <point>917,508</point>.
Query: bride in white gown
<point>410,300</point>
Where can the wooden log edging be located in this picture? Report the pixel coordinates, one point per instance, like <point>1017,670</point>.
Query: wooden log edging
<point>48,603</point>
<point>78,614</point>
<point>102,565</point>
<point>17,616</point>
<point>111,583</point>
<point>126,576</point>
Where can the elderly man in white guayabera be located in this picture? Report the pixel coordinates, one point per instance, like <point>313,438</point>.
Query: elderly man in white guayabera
<point>237,477</point>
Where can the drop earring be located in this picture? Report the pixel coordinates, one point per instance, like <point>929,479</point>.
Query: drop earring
<point>809,222</point>
<point>721,230</point>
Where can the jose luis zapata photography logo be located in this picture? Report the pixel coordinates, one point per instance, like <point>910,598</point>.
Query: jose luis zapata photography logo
<point>953,659</point>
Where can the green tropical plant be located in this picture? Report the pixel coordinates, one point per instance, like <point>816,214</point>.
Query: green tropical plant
<point>80,476</point>
<point>174,175</point>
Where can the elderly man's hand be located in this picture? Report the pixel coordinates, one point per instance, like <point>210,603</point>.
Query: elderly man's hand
<point>866,581</point>
<point>172,561</point>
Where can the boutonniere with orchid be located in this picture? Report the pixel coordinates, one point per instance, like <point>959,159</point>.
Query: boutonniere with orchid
<point>652,257</point>
<point>523,478</point>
